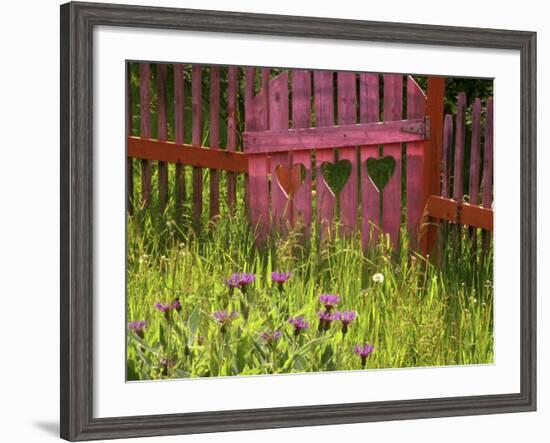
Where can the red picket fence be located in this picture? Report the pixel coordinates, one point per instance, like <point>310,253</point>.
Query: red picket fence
<point>312,119</point>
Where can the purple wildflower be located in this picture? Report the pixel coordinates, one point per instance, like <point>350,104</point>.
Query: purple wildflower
<point>225,318</point>
<point>232,281</point>
<point>137,327</point>
<point>164,308</point>
<point>176,304</point>
<point>299,323</point>
<point>161,307</point>
<point>329,300</point>
<point>240,281</point>
<point>280,278</point>
<point>245,280</point>
<point>363,351</point>
<point>325,319</point>
<point>346,317</point>
<point>271,338</point>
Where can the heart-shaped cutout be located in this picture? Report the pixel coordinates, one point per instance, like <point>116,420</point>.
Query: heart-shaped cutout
<point>380,170</point>
<point>336,174</point>
<point>290,178</point>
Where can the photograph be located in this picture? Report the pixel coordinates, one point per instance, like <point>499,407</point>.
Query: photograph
<point>282,220</point>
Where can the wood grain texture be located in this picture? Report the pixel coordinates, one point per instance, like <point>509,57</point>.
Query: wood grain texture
<point>179,118</point>
<point>214,139</point>
<point>347,115</point>
<point>258,169</point>
<point>458,174</point>
<point>433,153</point>
<point>459,212</point>
<point>162,131</point>
<point>341,135</point>
<point>474,152</point>
<point>369,112</point>
<point>232,78</point>
<point>196,109</point>
<point>278,119</point>
<point>145,128</point>
<point>324,116</point>
<point>446,162</point>
<point>416,108</point>
<point>197,156</point>
<point>301,118</point>
<point>391,194</point>
<point>129,161</point>
<point>77,218</point>
<point>487,183</point>
<point>474,165</point>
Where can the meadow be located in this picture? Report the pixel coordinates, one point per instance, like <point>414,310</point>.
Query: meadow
<point>208,302</point>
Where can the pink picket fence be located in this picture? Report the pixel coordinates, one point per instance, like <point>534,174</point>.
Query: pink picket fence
<point>295,123</point>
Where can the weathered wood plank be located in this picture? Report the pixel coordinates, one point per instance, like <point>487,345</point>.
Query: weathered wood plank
<point>129,160</point>
<point>474,163</point>
<point>458,174</point>
<point>324,116</point>
<point>369,112</point>
<point>162,131</point>
<point>214,138</point>
<point>487,180</point>
<point>196,109</point>
<point>301,118</point>
<point>459,212</point>
<point>433,153</point>
<point>391,195</point>
<point>347,115</point>
<point>145,128</point>
<point>474,152</point>
<point>447,152</point>
<point>232,77</point>
<point>487,183</point>
<point>278,119</point>
<point>341,135</point>
<point>249,92</point>
<point>179,115</point>
<point>258,168</point>
<point>184,154</point>
<point>416,108</point>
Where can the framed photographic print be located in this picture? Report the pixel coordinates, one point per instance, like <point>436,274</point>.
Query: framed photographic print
<point>337,214</point>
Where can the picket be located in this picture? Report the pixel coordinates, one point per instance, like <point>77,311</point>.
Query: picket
<point>369,112</point>
<point>232,78</point>
<point>179,115</point>
<point>214,139</point>
<point>162,131</point>
<point>447,153</point>
<point>196,109</point>
<point>129,160</point>
<point>391,194</point>
<point>145,129</point>
<point>258,194</point>
<point>458,177</point>
<point>301,118</point>
<point>416,108</point>
<point>278,119</point>
<point>324,116</point>
<point>487,183</point>
<point>474,152</point>
<point>347,114</point>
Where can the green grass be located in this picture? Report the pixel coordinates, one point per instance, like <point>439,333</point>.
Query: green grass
<point>424,313</point>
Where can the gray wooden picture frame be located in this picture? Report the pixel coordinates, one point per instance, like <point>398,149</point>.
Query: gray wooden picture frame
<point>77,23</point>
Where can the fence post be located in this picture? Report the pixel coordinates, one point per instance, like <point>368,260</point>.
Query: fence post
<point>433,152</point>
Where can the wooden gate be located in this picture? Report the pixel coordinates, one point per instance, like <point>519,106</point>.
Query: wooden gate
<point>333,128</point>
